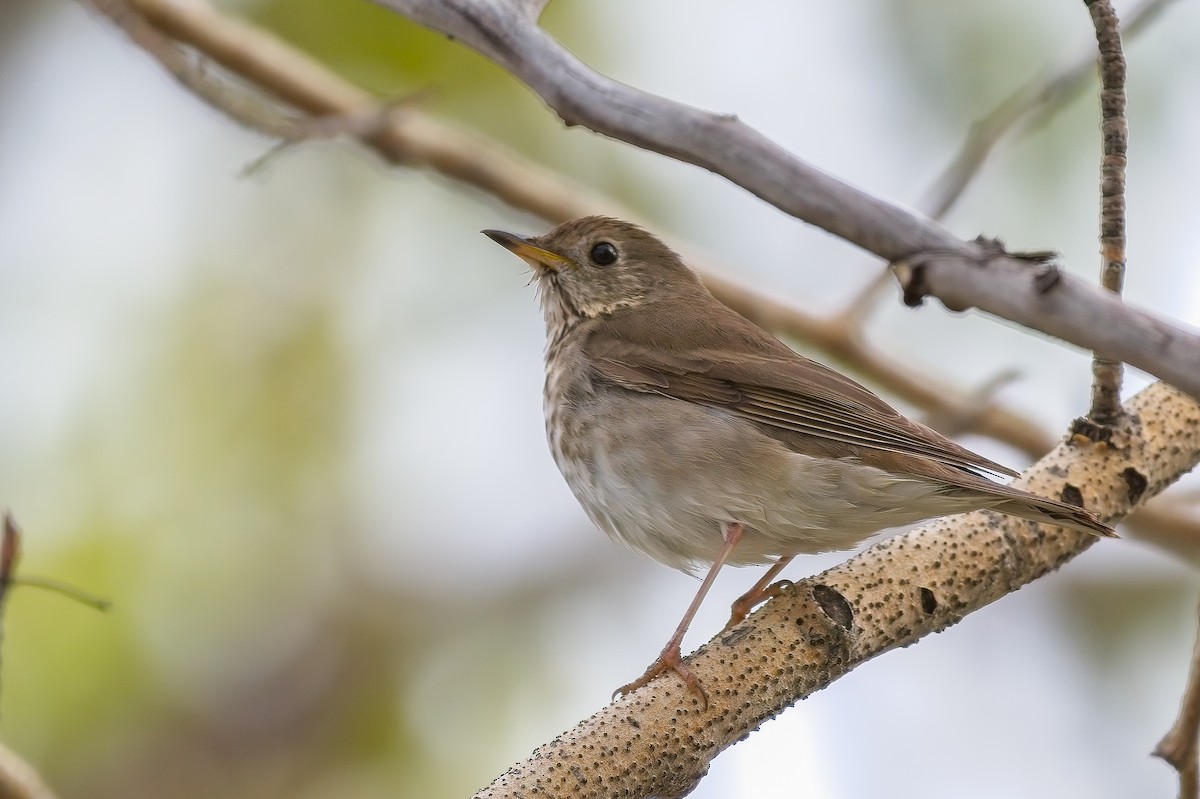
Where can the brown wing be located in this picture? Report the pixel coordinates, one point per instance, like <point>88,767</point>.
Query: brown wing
<point>788,395</point>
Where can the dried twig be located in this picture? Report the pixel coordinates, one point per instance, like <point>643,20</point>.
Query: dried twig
<point>10,552</point>
<point>1024,110</point>
<point>18,780</point>
<point>238,103</point>
<point>1179,746</point>
<point>1106,371</point>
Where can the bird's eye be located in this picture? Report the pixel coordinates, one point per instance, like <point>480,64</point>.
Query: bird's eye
<point>603,254</point>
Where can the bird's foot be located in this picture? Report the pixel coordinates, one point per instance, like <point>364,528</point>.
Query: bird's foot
<point>671,659</point>
<point>748,601</point>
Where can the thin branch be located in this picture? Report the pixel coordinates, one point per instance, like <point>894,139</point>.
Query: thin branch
<point>1065,308</point>
<point>1028,107</point>
<point>65,589</point>
<point>1169,524</point>
<point>1031,104</point>
<point>1107,372</point>
<point>10,553</point>
<point>981,398</point>
<point>415,139</point>
<point>18,780</point>
<point>658,741</point>
<point>236,103</point>
<point>1179,747</point>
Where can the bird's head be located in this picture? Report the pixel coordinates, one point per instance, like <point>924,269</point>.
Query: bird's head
<point>595,265</point>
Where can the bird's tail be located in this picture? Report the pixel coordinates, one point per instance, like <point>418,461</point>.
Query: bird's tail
<point>1049,511</point>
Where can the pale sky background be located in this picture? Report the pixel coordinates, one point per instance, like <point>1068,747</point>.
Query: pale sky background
<point>120,194</point>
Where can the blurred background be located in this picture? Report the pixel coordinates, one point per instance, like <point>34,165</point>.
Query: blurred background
<point>290,423</point>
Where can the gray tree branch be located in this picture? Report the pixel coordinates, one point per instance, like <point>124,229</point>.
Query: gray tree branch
<point>962,274</point>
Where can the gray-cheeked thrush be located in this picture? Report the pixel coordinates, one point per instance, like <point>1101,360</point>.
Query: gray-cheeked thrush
<point>691,434</point>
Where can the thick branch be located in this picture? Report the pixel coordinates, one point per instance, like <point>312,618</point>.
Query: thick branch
<point>658,741</point>
<point>1068,308</point>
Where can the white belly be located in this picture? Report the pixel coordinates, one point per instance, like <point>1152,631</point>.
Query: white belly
<point>666,479</point>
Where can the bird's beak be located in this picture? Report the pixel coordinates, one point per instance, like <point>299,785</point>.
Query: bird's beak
<point>532,254</point>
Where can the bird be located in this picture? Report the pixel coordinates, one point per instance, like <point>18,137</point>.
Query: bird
<point>692,435</point>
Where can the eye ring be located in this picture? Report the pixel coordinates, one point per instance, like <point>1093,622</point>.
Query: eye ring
<point>604,253</point>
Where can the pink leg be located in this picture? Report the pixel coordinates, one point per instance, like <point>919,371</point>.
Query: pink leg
<point>761,592</point>
<point>671,658</point>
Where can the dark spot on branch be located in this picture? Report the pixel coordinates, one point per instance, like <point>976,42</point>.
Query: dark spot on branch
<point>1046,278</point>
<point>1035,256</point>
<point>1089,429</point>
<point>911,274</point>
<point>1136,482</point>
<point>994,248</point>
<point>835,605</point>
<point>990,246</point>
<point>736,635</point>
<point>929,602</point>
<point>1071,495</point>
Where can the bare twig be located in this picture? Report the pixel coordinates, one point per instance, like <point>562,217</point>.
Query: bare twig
<point>18,780</point>
<point>1025,109</point>
<point>69,591</point>
<point>1031,105</point>
<point>659,742</point>
<point>10,552</point>
<point>1169,524</point>
<point>952,424</point>
<point>236,102</point>
<point>1106,371</point>
<point>1179,747</point>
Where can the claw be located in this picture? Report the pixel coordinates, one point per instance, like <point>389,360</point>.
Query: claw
<point>748,601</point>
<point>671,659</point>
